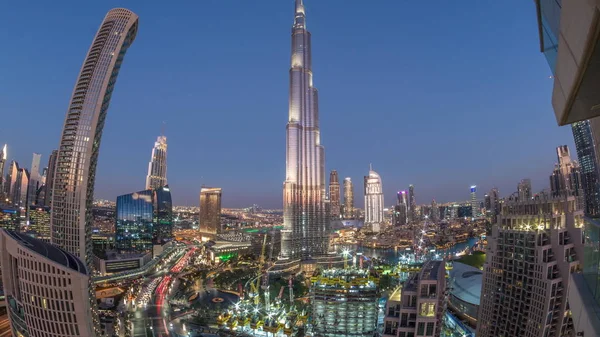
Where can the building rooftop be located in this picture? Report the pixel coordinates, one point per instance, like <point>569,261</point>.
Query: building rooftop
<point>466,282</point>
<point>49,251</point>
<point>430,270</point>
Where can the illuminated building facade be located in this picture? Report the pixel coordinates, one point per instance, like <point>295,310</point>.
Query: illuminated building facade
<point>143,219</point>
<point>305,232</point>
<point>534,247</point>
<point>39,222</point>
<point>157,168</point>
<point>334,194</point>
<point>10,218</point>
<point>344,303</point>
<point>349,212</point>
<point>373,202</point>
<point>46,288</point>
<point>413,217</point>
<point>524,189</point>
<point>417,308</point>
<point>50,178</point>
<point>474,203</point>
<point>210,211</point>
<point>566,175</point>
<point>34,179</point>
<point>73,190</point>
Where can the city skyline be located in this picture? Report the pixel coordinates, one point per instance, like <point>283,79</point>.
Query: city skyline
<point>260,182</point>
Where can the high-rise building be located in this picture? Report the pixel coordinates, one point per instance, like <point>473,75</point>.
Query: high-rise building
<point>10,218</point>
<point>348,198</point>
<point>11,182</point>
<point>400,214</point>
<point>435,211</point>
<point>46,288</point>
<point>373,202</point>
<point>566,175</point>
<point>334,194</point>
<point>210,211</point>
<point>157,168</point>
<point>413,217</point>
<point>50,178</point>
<point>587,155</point>
<point>416,308</point>
<point>19,178</point>
<point>3,155</point>
<point>524,189</point>
<point>474,203</point>
<point>39,222</point>
<point>495,204</point>
<point>305,231</point>
<point>487,202</point>
<point>163,215</point>
<point>344,303</point>
<point>73,189</point>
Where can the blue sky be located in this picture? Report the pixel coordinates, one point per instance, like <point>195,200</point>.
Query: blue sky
<point>440,94</point>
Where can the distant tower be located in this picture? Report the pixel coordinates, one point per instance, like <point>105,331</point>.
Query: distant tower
<point>34,179</point>
<point>412,203</point>
<point>348,198</point>
<point>566,177</point>
<point>474,204</point>
<point>50,178</point>
<point>334,194</point>
<point>373,201</point>
<point>399,217</point>
<point>586,153</point>
<point>494,204</point>
<point>435,211</point>
<point>3,154</point>
<point>157,168</point>
<point>210,211</point>
<point>524,189</point>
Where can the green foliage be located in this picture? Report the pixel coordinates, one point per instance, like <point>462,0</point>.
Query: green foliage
<point>476,260</point>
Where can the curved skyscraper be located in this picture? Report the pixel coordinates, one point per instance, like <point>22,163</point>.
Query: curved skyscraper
<point>157,169</point>
<point>305,233</point>
<point>73,189</point>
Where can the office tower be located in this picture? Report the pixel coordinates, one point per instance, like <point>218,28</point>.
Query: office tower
<point>344,303</point>
<point>3,155</point>
<point>50,178</point>
<point>435,211</point>
<point>533,249</point>
<point>210,211</point>
<point>11,181</point>
<point>494,204</point>
<point>34,179</point>
<point>416,309</point>
<point>586,153</point>
<point>143,219</point>
<point>20,190</point>
<point>46,288</point>
<point>566,177</point>
<point>524,189</point>
<point>348,198</point>
<point>305,225</point>
<point>400,214</point>
<point>10,218</point>
<point>373,202</point>
<point>74,178</point>
<point>487,203</point>
<point>474,205</point>
<point>134,222</point>
<point>157,168</point>
<point>413,217</point>
<point>334,194</point>
<point>39,222</point>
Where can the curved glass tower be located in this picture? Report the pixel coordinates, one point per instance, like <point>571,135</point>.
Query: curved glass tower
<point>305,234</point>
<point>73,189</point>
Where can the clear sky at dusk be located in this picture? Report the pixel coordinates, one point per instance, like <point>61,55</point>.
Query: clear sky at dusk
<point>440,94</point>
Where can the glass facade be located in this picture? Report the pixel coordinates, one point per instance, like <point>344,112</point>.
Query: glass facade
<point>10,219</point>
<point>550,28</point>
<point>134,222</point>
<point>591,260</point>
<point>163,215</point>
<point>584,144</point>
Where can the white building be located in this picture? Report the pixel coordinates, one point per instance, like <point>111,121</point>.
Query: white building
<point>46,288</point>
<point>373,201</point>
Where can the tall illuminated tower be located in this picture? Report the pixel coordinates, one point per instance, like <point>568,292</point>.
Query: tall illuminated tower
<point>210,211</point>
<point>3,156</point>
<point>348,198</point>
<point>306,227</point>
<point>373,202</point>
<point>474,205</point>
<point>75,174</point>
<point>157,168</point>
<point>334,194</point>
<point>412,203</point>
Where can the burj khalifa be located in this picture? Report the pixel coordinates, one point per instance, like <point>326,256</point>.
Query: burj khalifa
<point>305,233</point>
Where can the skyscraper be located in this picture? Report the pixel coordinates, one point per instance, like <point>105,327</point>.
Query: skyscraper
<point>474,204</point>
<point>210,211</point>
<point>373,202</point>
<point>566,177</point>
<point>412,203</point>
<point>435,211</point>
<point>305,224</point>
<point>46,288</point>
<point>157,168</point>
<point>134,222</point>
<point>495,204</point>
<point>400,214</point>
<point>524,189</point>
<point>334,194</point>
<point>75,174</point>
<point>3,155</point>
<point>50,178</point>
<point>348,198</point>
<point>590,177</point>
<point>34,179</point>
